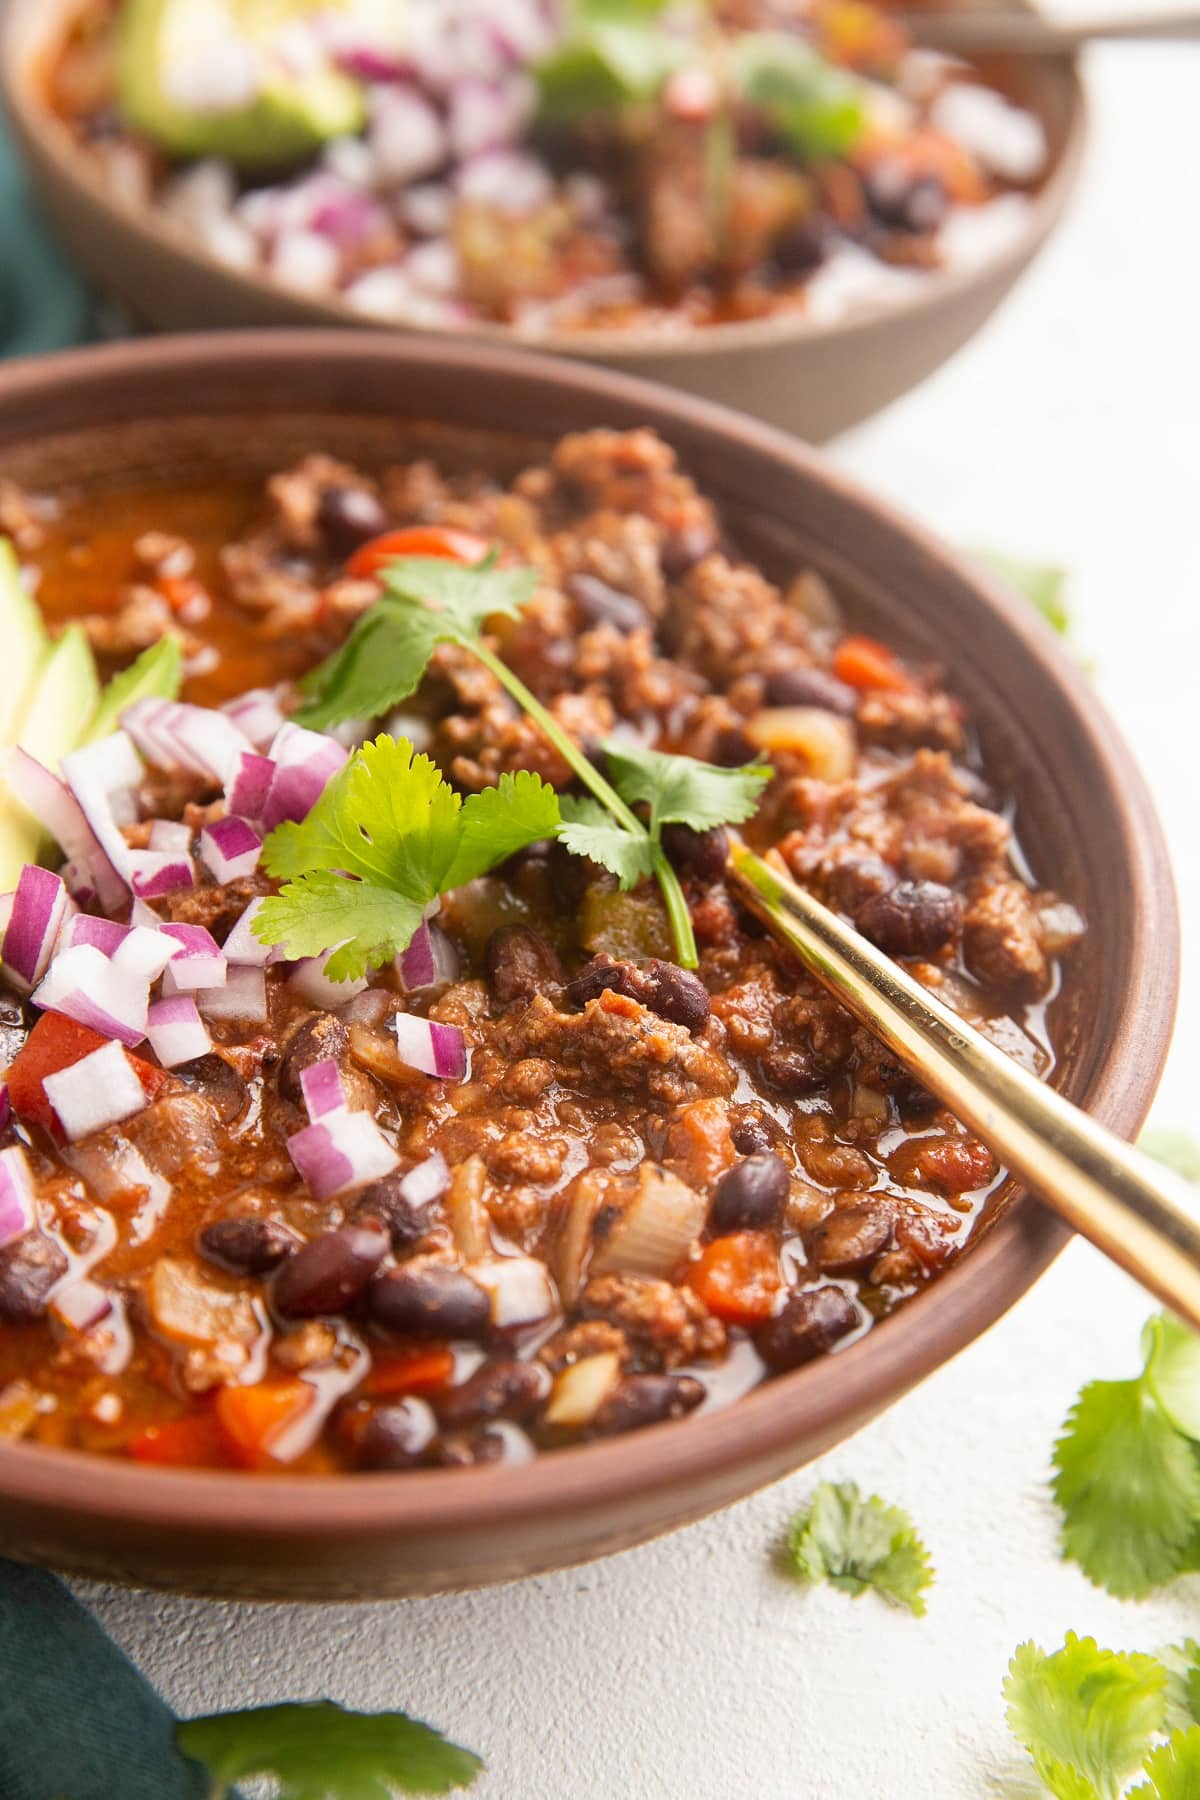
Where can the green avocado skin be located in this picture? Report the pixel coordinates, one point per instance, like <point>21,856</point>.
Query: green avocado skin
<point>289,119</point>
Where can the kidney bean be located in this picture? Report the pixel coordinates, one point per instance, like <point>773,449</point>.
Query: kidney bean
<point>699,853</point>
<point>641,1400</point>
<point>498,1390</point>
<point>348,517</point>
<point>396,1436</point>
<point>320,1036</point>
<point>914,918</point>
<point>520,963</point>
<point>218,1082</point>
<point>809,1324</point>
<point>676,994</point>
<point>751,1196</point>
<point>429,1301</point>
<point>29,1267</point>
<point>405,1223</point>
<point>850,1239</point>
<point>248,1246</point>
<point>330,1272</point>
<point>601,604</point>
<point>811,687</point>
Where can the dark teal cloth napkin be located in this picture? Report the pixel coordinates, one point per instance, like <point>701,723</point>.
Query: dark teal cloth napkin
<point>43,302</point>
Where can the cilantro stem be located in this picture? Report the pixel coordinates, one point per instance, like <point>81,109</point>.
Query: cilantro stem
<point>593,780</point>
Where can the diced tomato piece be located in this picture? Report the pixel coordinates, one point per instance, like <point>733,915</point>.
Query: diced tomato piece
<point>416,540</point>
<point>738,1277</point>
<point>193,1442</point>
<point>252,1418</point>
<point>55,1043</point>
<point>410,1371</point>
<point>863,662</point>
<point>699,1146</point>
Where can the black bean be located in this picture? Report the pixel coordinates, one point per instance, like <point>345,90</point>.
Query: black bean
<point>699,853</point>
<point>686,546</point>
<point>321,1036</point>
<point>396,1436</point>
<point>753,1134</point>
<point>904,202</point>
<point>497,1390</point>
<point>733,748</point>
<point>604,974</point>
<point>601,604</point>
<point>803,247</point>
<point>218,1082</point>
<point>857,878</point>
<point>752,1195</point>
<point>470,1450</point>
<point>676,994</point>
<point>915,918</point>
<point>641,1400</point>
<point>330,1272</point>
<point>809,1324</point>
<point>429,1301</point>
<point>792,1071</point>
<point>850,1239</point>
<point>248,1246</point>
<point>520,964</point>
<point>404,1223</point>
<point>29,1267</point>
<point>811,687</point>
<point>348,517</point>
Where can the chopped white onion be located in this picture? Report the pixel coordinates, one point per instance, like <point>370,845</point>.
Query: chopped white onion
<point>241,946</point>
<point>309,980</point>
<point>143,953</point>
<point>657,1228</point>
<point>321,1086</point>
<point>344,1150</point>
<point>520,1287</point>
<point>257,714</point>
<point>243,996</point>
<point>16,1194</point>
<point>170,835</point>
<point>100,1089</point>
<point>427,1181</point>
<point>580,1388</point>
<point>230,849</point>
<point>80,1304</point>
<point>438,1050</point>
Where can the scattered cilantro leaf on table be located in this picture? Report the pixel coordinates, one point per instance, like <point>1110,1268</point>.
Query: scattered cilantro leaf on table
<point>1043,584</point>
<point>1176,1150</point>
<point>856,1544</point>
<point>1087,1716</point>
<point>387,836</point>
<point>1173,1769</point>
<point>157,674</point>
<point>317,1750</point>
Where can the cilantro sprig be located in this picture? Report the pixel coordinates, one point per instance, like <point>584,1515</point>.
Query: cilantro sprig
<point>855,1543</point>
<point>426,602</point>
<point>318,1750</point>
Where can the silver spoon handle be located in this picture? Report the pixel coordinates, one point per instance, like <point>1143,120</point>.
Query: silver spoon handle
<point>1136,1212</point>
<point>1027,34</point>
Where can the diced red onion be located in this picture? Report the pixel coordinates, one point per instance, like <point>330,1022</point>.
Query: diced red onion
<point>54,805</point>
<point>16,1194</point>
<point>487,115</point>
<point>257,714</point>
<point>428,1181</point>
<point>321,1086</point>
<point>520,1289</point>
<point>146,722</point>
<point>39,906</point>
<point>244,996</point>
<point>251,783</point>
<point>241,946</point>
<point>406,137</point>
<point>344,1150</point>
<point>309,980</point>
<point>305,762</point>
<point>143,953</point>
<point>83,984</point>
<point>427,210</point>
<point>5,1107</point>
<point>94,773</point>
<point>176,1031</point>
<point>199,962</point>
<point>430,960</point>
<point>438,1050</point>
<point>153,873</point>
<point>80,884</point>
<point>347,218</point>
<point>104,934</point>
<point>170,835</point>
<point>81,1304</point>
<point>230,848</point>
<point>100,1089</point>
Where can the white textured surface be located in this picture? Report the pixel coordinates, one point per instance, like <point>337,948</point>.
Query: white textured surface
<point>688,1670</point>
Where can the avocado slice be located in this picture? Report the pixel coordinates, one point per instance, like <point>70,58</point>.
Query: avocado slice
<point>209,78</point>
<point>25,643</point>
<point>63,699</point>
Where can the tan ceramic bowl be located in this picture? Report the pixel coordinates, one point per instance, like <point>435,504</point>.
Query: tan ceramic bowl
<point>811,378</point>
<point>131,411</point>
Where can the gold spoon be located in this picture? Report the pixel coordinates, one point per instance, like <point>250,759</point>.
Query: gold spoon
<point>1139,1214</point>
<point>968,31</point>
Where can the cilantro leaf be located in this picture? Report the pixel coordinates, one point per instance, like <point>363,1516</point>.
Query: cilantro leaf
<point>464,596</point>
<point>1086,1716</point>
<point>1174,1149</point>
<point>1129,1487</point>
<point>318,1750</point>
<point>1182,1663</point>
<point>818,108</point>
<point>855,1544</point>
<point>588,830</point>
<point>615,52</point>
<point>387,836</point>
<point>1173,1769</point>
<point>380,664</point>
<point>1043,585</point>
<point>1172,1374</point>
<point>157,674</point>
<point>682,790</point>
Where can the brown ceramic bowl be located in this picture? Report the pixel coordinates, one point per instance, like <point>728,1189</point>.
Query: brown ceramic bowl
<point>811,378</point>
<point>244,401</point>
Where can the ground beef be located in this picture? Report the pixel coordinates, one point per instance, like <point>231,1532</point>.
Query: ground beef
<point>664,1325</point>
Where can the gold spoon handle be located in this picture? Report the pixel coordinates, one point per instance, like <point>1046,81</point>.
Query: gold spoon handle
<point>966,30</point>
<point>1138,1213</point>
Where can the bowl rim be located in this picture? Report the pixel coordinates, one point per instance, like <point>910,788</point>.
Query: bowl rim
<point>831,1395</point>
<point>36,127</point>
